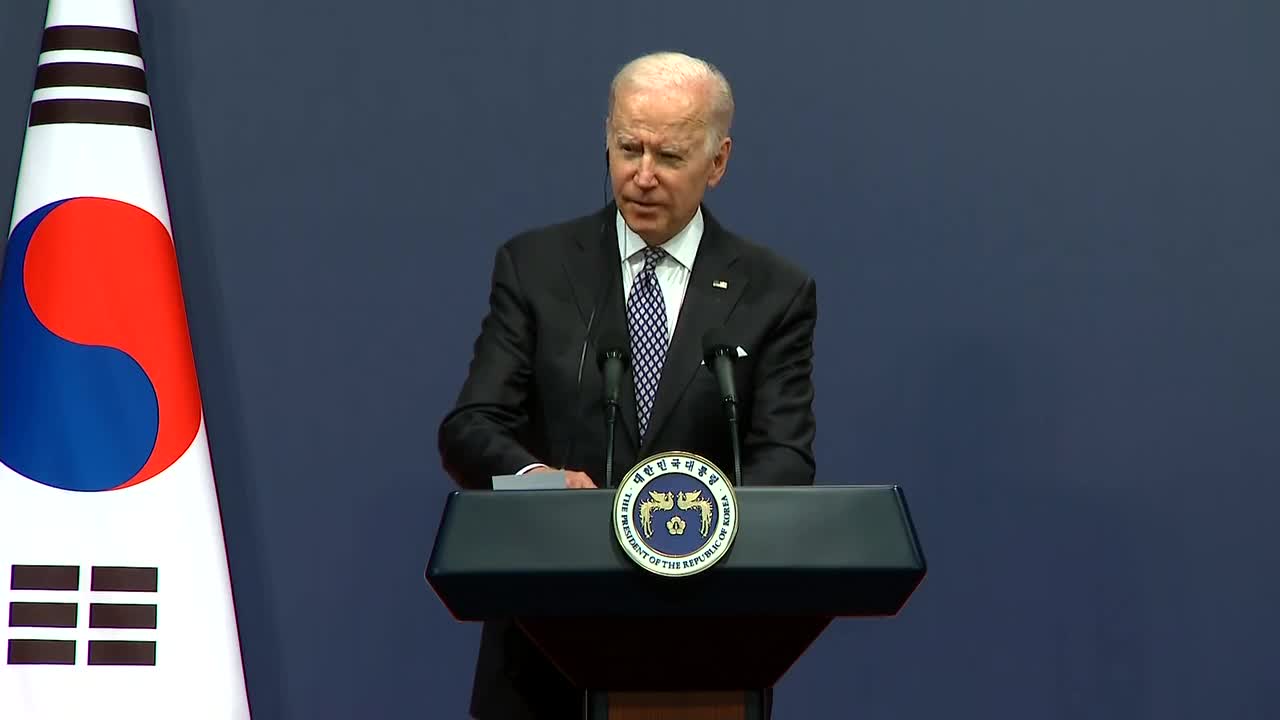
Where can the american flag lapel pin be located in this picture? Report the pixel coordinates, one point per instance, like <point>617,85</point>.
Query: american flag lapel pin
<point>720,284</point>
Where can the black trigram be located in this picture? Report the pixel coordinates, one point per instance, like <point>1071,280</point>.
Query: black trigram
<point>96,66</point>
<point>66,614</point>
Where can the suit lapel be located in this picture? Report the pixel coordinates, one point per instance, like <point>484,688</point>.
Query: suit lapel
<point>583,265</point>
<point>706,305</point>
<point>593,270</point>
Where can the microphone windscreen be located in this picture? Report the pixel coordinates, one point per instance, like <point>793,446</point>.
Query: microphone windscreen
<point>612,342</point>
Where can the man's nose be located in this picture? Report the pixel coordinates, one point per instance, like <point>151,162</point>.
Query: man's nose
<point>645,176</point>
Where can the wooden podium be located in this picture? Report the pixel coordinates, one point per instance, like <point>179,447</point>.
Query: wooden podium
<point>706,647</point>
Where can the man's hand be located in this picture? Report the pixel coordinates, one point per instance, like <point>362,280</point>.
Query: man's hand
<point>572,478</point>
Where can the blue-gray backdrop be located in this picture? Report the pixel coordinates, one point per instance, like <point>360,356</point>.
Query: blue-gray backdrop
<point>1045,239</point>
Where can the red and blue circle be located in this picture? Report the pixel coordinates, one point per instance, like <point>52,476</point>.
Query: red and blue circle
<point>98,385</point>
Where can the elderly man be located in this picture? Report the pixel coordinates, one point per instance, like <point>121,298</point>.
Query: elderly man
<point>655,266</point>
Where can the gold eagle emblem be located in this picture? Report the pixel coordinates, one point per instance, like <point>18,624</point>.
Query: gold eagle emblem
<point>657,501</point>
<point>694,500</point>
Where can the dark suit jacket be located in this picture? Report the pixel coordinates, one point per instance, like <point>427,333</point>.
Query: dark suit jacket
<point>522,402</point>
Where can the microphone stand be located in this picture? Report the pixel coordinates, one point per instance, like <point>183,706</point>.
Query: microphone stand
<point>610,421</point>
<point>731,410</point>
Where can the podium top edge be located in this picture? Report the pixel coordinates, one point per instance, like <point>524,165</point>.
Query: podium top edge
<point>748,488</point>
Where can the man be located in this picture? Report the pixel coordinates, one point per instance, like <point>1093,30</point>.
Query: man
<point>656,268</point>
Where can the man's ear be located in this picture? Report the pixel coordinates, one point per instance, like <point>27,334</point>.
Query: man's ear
<point>720,162</point>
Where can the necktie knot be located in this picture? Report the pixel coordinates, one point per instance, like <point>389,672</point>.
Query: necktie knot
<point>652,256</point>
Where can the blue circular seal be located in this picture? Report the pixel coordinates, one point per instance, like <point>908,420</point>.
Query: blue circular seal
<point>675,514</point>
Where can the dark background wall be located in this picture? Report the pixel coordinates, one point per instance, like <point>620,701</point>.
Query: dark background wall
<point>1045,239</point>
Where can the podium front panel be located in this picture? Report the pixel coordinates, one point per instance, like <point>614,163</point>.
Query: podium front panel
<point>809,551</point>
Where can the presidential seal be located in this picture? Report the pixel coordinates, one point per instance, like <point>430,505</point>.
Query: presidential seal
<point>675,514</point>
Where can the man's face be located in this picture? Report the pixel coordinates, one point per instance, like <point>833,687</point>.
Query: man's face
<point>659,162</point>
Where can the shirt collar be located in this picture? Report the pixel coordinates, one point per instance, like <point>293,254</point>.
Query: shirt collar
<point>683,247</point>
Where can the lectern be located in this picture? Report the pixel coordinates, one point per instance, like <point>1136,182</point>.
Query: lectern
<point>710,646</point>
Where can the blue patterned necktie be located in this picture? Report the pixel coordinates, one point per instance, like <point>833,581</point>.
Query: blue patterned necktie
<point>647,319</point>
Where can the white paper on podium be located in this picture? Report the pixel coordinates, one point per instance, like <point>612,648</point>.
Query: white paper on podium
<point>549,480</point>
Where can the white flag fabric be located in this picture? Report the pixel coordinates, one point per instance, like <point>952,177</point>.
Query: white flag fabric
<point>115,577</point>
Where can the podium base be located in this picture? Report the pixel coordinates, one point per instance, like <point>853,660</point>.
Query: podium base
<point>713,705</point>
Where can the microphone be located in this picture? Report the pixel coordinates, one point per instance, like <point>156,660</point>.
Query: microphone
<point>613,360</point>
<point>719,354</point>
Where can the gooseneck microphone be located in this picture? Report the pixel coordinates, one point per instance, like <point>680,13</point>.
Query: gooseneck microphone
<point>719,354</point>
<point>613,360</point>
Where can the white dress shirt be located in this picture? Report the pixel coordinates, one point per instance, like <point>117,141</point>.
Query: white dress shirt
<point>673,271</point>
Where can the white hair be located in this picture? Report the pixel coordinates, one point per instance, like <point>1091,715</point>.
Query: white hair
<point>674,69</point>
